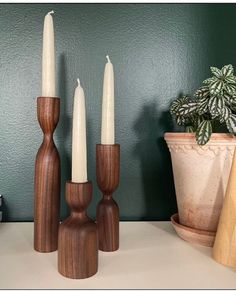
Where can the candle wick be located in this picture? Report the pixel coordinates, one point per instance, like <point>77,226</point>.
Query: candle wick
<point>108,59</point>
<point>51,12</point>
<point>78,82</point>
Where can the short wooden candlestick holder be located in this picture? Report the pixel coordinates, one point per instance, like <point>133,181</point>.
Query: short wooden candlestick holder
<point>78,237</point>
<point>108,172</point>
<point>47,179</point>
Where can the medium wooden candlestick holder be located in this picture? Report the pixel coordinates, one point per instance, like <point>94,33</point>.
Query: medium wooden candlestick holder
<point>108,172</point>
<point>78,237</point>
<point>47,179</point>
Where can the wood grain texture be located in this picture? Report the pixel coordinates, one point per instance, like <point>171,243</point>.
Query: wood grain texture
<point>47,179</point>
<point>224,249</point>
<point>78,236</point>
<point>108,173</point>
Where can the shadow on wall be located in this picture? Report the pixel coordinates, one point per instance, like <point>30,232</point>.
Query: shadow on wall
<point>4,209</point>
<point>62,132</point>
<point>155,162</point>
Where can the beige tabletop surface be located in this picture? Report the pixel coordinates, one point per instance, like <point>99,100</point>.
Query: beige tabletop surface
<point>151,256</point>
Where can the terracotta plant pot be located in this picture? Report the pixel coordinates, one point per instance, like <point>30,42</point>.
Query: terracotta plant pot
<point>200,175</point>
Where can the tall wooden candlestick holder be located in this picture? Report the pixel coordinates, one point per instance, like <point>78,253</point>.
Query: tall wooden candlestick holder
<point>78,237</point>
<point>47,179</point>
<point>108,172</point>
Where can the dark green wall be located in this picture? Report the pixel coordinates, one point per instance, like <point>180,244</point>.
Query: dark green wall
<point>158,51</point>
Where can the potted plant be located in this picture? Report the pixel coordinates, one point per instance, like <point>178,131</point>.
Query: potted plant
<point>201,157</point>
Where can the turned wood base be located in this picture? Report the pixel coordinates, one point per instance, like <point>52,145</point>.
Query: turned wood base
<point>47,179</point>
<point>108,170</point>
<point>78,237</point>
<point>108,224</point>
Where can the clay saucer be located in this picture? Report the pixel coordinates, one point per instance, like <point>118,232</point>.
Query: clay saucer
<point>192,235</point>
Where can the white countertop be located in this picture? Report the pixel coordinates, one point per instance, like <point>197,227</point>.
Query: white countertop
<point>151,256</point>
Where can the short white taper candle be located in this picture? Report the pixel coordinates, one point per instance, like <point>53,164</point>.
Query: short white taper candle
<point>79,144</point>
<point>108,114</point>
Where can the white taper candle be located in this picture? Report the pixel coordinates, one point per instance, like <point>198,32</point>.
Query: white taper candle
<point>79,145</point>
<point>108,114</point>
<point>48,58</point>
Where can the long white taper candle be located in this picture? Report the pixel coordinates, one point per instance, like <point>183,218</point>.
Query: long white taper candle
<point>79,145</point>
<point>48,58</point>
<point>108,114</point>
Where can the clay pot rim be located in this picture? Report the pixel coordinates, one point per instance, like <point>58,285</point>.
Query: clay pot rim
<point>175,137</point>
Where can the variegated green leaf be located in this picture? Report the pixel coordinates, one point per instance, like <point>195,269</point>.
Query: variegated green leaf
<point>185,98</point>
<point>215,105</point>
<point>233,103</point>
<point>233,100</point>
<point>216,72</point>
<point>202,92</point>
<point>188,109</point>
<point>216,87</point>
<point>209,80</point>
<point>233,108</point>
<point>199,120</point>
<point>231,79</point>
<point>231,123</point>
<point>189,129</point>
<point>221,104</point>
<point>230,88</point>
<point>227,70</point>
<point>225,114</point>
<point>204,132</point>
<point>229,99</point>
<point>212,106</point>
<point>203,105</point>
<point>180,120</point>
<point>174,108</point>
